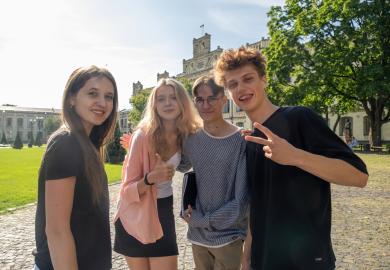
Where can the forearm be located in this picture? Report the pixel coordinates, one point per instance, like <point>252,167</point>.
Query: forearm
<point>246,257</point>
<point>332,170</point>
<point>62,249</point>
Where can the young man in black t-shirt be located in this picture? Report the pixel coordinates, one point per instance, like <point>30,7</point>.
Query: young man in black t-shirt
<point>292,157</point>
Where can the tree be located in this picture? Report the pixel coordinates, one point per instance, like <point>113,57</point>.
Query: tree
<point>138,103</point>
<point>115,152</point>
<point>336,51</point>
<point>51,124</point>
<point>187,85</point>
<point>3,138</point>
<point>38,139</point>
<point>18,142</point>
<point>31,141</point>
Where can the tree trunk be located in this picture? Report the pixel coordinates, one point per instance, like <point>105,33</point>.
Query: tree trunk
<point>336,123</point>
<point>376,131</point>
<point>374,110</point>
<point>375,117</point>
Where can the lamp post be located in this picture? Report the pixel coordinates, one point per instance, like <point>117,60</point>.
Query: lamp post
<point>31,142</point>
<point>38,139</point>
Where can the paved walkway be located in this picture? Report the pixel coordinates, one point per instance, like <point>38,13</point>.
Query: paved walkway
<point>361,231</point>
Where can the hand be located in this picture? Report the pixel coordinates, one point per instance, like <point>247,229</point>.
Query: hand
<point>245,264</point>
<point>125,140</point>
<point>246,132</point>
<point>162,171</point>
<point>275,148</point>
<point>187,214</point>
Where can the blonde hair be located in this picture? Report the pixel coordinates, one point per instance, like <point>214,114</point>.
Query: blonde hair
<point>235,58</point>
<point>187,122</point>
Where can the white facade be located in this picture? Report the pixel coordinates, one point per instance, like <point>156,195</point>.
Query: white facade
<point>26,121</point>
<point>124,124</point>
<point>359,126</point>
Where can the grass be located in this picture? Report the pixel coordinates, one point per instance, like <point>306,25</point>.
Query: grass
<point>19,175</point>
<point>379,170</point>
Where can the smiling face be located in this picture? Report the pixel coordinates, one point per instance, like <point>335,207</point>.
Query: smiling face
<point>166,103</point>
<point>208,104</point>
<point>246,88</point>
<point>93,103</point>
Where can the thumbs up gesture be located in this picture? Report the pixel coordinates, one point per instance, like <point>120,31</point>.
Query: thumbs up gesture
<point>161,172</point>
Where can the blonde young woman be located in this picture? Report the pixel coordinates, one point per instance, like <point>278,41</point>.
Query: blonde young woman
<point>144,223</point>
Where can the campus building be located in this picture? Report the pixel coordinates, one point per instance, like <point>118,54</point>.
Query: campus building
<point>202,61</point>
<point>124,125</point>
<point>26,121</point>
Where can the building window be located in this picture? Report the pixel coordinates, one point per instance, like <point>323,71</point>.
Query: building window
<point>9,122</point>
<point>240,124</point>
<point>366,126</point>
<point>20,122</point>
<point>345,127</point>
<point>226,107</point>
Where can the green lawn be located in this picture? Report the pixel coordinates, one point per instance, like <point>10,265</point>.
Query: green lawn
<point>19,175</point>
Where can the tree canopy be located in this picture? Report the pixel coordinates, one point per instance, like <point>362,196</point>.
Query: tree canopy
<point>332,55</point>
<point>138,103</point>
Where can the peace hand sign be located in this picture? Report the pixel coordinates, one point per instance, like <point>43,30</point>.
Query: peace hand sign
<point>275,148</point>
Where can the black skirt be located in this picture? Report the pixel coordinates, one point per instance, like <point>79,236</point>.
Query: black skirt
<point>127,245</point>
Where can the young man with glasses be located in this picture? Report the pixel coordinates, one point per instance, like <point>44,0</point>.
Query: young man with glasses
<point>218,225</point>
<point>292,157</point>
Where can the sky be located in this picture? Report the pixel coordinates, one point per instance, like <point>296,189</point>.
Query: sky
<point>43,41</point>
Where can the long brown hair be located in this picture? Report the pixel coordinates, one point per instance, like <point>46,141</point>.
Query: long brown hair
<point>92,145</point>
<point>186,123</point>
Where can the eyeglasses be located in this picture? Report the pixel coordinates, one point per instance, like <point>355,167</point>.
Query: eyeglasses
<point>210,100</point>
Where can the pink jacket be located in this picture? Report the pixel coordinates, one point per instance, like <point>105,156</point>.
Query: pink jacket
<point>138,213</point>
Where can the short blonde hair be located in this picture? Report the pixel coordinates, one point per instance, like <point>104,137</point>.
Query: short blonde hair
<point>234,58</point>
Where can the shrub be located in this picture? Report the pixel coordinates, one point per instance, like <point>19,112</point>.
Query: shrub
<point>38,139</point>
<point>114,151</point>
<point>3,139</point>
<point>18,142</point>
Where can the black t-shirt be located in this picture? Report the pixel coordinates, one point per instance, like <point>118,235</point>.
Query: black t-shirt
<point>89,223</point>
<point>290,208</point>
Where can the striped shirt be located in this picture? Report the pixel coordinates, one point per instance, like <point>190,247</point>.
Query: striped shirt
<point>221,213</point>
